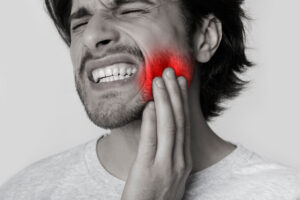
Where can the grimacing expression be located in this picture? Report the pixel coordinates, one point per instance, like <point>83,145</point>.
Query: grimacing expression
<point>116,38</point>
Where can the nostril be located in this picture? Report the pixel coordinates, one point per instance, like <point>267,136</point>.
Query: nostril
<point>104,42</point>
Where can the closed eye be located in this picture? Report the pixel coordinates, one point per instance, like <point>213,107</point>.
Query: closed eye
<point>133,11</point>
<point>78,25</point>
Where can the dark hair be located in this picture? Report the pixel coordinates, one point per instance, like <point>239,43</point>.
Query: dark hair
<point>219,78</point>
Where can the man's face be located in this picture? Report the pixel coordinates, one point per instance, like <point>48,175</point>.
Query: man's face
<point>120,40</point>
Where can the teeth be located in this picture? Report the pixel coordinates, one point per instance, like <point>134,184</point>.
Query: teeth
<point>128,71</point>
<point>114,72</point>
<point>95,76</point>
<point>122,71</point>
<point>98,74</point>
<point>133,70</point>
<point>108,71</point>
<point>101,73</point>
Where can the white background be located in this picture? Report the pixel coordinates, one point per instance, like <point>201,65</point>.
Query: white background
<point>40,113</point>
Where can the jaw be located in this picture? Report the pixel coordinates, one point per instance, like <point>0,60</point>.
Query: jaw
<point>113,107</point>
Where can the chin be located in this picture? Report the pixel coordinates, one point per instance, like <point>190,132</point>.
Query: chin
<point>114,115</point>
<point>112,110</point>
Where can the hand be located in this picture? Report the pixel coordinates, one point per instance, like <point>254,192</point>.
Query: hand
<point>163,161</point>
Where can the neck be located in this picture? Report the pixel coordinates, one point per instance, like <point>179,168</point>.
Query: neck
<point>118,150</point>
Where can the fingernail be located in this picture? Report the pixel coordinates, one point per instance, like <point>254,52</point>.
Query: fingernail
<point>170,73</point>
<point>182,80</point>
<point>159,82</point>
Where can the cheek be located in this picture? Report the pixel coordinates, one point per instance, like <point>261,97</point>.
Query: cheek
<point>76,53</point>
<point>155,66</point>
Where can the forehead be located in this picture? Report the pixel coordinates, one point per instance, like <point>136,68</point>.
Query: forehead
<point>94,4</point>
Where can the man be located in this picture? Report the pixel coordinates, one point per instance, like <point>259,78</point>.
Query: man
<point>154,72</point>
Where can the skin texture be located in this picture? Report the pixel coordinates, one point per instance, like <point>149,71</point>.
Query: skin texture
<point>156,148</point>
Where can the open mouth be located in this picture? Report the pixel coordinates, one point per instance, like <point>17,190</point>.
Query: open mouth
<point>114,72</point>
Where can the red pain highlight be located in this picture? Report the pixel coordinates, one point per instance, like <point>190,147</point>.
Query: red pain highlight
<point>155,66</point>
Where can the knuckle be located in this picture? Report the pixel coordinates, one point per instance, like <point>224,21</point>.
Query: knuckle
<point>181,122</point>
<point>170,127</point>
<point>181,167</point>
<point>189,167</point>
<point>150,145</point>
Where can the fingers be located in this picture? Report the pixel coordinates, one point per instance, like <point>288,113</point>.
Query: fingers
<point>165,134</point>
<point>176,99</point>
<point>148,139</point>
<point>165,122</point>
<point>187,136</point>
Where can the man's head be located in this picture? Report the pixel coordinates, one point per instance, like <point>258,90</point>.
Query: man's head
<point>116,37</point>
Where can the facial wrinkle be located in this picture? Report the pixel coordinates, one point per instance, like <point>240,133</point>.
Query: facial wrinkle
<point>109,4</point>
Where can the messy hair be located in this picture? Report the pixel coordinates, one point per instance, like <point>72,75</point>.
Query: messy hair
<point>219,78</point>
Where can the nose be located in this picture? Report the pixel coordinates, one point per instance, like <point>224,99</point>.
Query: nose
<point>99,33</point>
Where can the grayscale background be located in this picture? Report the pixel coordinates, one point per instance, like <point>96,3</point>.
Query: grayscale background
<point>40,113</point>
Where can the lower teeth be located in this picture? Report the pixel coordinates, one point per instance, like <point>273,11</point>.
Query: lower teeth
<point>113,78</point>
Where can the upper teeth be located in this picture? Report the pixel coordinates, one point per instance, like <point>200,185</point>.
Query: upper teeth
<point>113,72</point>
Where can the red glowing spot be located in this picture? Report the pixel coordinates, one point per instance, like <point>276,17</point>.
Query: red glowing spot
<point>155,66</point>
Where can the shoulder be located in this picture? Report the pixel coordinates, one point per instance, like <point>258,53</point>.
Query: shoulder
<point>260,167</point>
<point>248,177</point>
<point>268,173</point>
<point>268,180</point>
<point>44,173</point>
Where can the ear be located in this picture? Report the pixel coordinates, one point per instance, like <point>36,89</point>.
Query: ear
<point>207,38</point>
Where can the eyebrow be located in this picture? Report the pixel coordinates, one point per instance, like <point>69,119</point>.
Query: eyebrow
<point>120,2</point>
<point>83,12</point>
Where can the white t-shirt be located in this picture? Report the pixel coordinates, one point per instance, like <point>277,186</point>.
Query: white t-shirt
<point>78,175</point>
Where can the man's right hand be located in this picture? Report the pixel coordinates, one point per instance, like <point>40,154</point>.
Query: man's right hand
<point>163,161</point>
